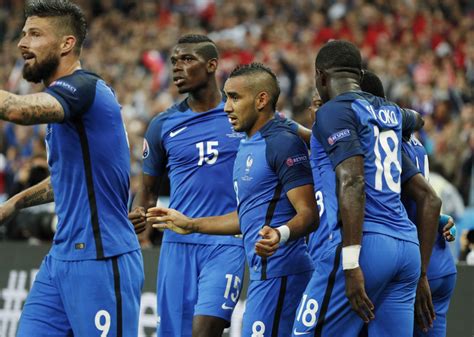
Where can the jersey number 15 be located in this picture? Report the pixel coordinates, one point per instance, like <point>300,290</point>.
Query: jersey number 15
<point>207,152</point>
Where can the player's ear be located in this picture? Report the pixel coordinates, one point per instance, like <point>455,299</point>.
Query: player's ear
<point>212,65</point>
<point>68,43</point>
<point>261,100</point>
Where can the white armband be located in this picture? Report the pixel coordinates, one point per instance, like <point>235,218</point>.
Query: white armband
<point>284,233</point>
<point>350,257</point>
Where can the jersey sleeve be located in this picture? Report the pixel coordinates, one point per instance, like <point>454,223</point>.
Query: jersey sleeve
<point>287,155</point>
<point>154,154</point>
<point>75,93</point>
<point>408,168</point>
<point>336,129</point>
<point>409,122</point>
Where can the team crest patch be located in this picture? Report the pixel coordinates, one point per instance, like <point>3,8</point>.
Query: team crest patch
<point>338,136</point>
<point>146,149</point>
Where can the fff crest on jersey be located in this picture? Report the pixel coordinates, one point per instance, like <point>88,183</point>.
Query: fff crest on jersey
<point>248,165</point>
<point>249,161</point>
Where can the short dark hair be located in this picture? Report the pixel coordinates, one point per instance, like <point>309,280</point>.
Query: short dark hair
<point>255,68</point>
<point>71,18</point>
<point>208,50</point>
<point>339,54</point>
<point>371,83</point>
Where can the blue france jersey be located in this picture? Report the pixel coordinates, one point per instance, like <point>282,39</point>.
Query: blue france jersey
<point>325,193</point>
<point>89,161</point>
<point>358,123</point>
<point>197,150</point>
<point>268,165</point>
<point>441,262</point>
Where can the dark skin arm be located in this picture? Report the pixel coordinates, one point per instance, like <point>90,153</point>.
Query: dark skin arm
<point>304,222</point>
<point>30,109</point>
<point>351,198</point>
<point>145,198</point>
<point>428,207</point>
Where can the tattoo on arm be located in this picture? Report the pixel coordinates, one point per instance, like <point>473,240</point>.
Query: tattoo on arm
<point>41,196</point>
<point>30,109</point>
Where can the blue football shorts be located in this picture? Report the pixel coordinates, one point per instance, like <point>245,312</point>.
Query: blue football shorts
<point>441,291</point>
<point>391,270</point>
<point>271,305</point>
<point>196,280</point>
<point>85,298</point>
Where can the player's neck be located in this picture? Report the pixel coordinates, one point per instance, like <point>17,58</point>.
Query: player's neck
<point>340,86</point>
<point>64,69</point>
<point>260,123</point>
<point>205,99</point>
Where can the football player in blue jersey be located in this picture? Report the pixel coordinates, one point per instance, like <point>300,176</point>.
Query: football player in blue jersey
<point>440,272</point>
<point>90,282</point>
<point>199,276</point>
<point>276,206</point>
<point>369,261</point>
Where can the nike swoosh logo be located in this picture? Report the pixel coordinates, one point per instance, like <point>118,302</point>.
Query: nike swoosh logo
<point>172,134</point>
<point>225,307</point>
<point>297,333</point>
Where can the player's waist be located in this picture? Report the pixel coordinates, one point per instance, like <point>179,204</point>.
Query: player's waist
<point>203,239</point>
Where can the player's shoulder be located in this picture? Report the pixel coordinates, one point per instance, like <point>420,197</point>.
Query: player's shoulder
<point>277,128</point>
<point>80,80</point>
<point>280,137</point>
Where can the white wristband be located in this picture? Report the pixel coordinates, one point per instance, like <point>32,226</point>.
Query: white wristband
<point>284,233</point>
<point>350,257</point>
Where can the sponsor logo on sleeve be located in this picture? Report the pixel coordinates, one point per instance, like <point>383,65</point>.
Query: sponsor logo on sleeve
<point>332,139</point>
<point>295,160</point>
<point>64,85</point>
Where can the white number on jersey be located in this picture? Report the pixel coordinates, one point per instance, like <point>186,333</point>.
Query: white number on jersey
<point>308,310</point>
<point>258,329</point>
<point>210,155</point>
<point>385,159</point>
<point>234,295</point>
<point>105,327</point>
<point>320,202</point>
<point>426,166</point>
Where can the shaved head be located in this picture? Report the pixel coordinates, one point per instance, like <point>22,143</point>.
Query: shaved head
<point>260,78</point>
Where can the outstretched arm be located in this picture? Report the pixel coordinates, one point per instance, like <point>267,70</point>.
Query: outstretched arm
<point>30,109</point>
<point>166,218</point>
<point>38,194</point>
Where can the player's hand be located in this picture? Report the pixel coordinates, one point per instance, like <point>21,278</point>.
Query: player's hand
<point>449,229</point>
<point>167,218</point>
<point>269,243</point>
<point>355,292</point>
<point>138,219</point>
<point>424,309</point>
<point>7,211</point>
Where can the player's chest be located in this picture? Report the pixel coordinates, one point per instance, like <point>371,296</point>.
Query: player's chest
<point>252,172</point>
<point>201,144</point>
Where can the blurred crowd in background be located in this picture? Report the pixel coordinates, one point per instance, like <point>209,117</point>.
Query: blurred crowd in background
<point>422,50</point>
